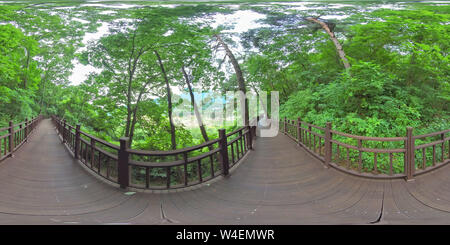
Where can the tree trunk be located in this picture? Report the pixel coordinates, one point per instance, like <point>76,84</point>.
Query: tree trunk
<point>131,71</point>
<point>129,109</point>
<point>25,80</point>
<point>194,105</point>
<point>239,76</point>
<point>133,123</point>
<point>178,170</point>
<point>338,46</point>
<point>42,94</point>
<point>169,102</point>
<point>127,127</point>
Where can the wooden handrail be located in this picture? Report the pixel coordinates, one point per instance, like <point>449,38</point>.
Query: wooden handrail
<point>333,156</point>
<point>16,135</point>
<point>431,134</point>
<point>368,138</point>
<point>173,152</point>
<point>128,162</point>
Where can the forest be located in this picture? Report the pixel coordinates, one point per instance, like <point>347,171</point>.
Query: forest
<point>370,68</point>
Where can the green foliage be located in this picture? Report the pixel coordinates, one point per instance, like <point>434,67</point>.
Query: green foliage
<point>412,45</point>
<point>18,76</point>
<point>399,77</point>
<point>367,102</point>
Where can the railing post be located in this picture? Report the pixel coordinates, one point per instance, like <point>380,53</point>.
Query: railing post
<point>443,147</point>
<point>250,138</point>
<point>26,130</point>
<point>328,149</point>
<point>299,131</point>
<point>11,137</point>
<point>285,125</point>
<point>409,157</point>
<point>77,141</point>
<point>254,132</point>
<point>123,176</point>
<point>59,126</point>
<point>20,132</point>
<point>309,138</point>
<point>93,152</point>
<point>64,131</point>
<point>223,153</point>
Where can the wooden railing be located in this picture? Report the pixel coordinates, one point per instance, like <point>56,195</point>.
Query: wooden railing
<point>374,157</point>
<point>157,170</point>
<point>15,135</point>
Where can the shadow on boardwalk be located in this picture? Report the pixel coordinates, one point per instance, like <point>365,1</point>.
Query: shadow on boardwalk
<point>279,183</point>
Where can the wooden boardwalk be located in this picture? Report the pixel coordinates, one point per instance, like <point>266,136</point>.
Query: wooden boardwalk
<point>278,183</point>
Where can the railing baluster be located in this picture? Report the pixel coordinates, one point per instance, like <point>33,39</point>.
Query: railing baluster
<point>338,152</point>
<point>21,134</point>
<point>232,153</point>
<point>314,144</point>
<point>147,177</point>
<point>240,139</point>
<point>212,164</point>
<point>199,166</point>
<point>77,141</point>
<point>238,154</point>
<point>108,166</point>
<point>390,164</point>
<point>360,155</point>
<point>375,168</point>
<point>185,159</point>
<point>85,153</point>
<point>81,152</point>
<point>442,147</point>
<point>320,146</point>
<point>310,133</point>
<point>168,177</point>
<point>328,146</point>
<point>424,159</point>
<point>11,137</point>
<point>64,132</point>
<point>212,168</point>
<point>348,158</point>
<point>92,155</point>
<point>434,155</point>
<point>99,162</point>
<point>26,129</point>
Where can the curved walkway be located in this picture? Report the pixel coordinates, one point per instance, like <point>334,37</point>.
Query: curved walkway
<point>279,183</point>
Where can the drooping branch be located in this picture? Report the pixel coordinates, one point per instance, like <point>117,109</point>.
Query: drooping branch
<point>338,46</point>
<point>239,76</point>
